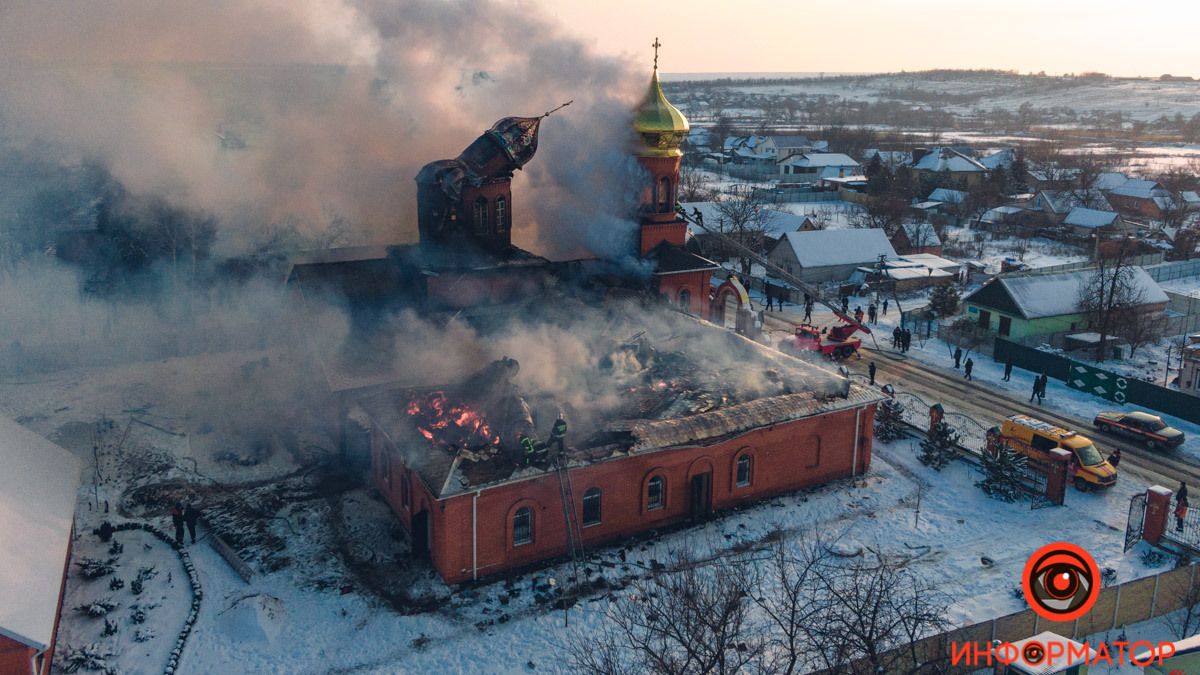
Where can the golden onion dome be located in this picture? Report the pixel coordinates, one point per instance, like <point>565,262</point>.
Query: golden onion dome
<point>659,124</point>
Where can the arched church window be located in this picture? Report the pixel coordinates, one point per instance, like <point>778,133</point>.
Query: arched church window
<point>480,221</point>
<point>664,195</point>
<point>501,214</point>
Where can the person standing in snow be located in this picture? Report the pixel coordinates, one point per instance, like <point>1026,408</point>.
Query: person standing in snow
<point>177,521</point>
<point>871,371</point>
<point>872,312</point>
<point>957,356</point>
<point>1008,370</point>
<point>808,312</point>
<point>1037,386</point>
<point>1115,457</point>
<point>885,304</point>
<point>191,516</point>
<point>858,314</point>
<point>906,335</point>
<point>896,337</point>
<point>1042,388</point>
<point>967,367</point>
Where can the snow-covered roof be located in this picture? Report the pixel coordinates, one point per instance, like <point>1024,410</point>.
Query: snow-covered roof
<point>1090,218</point>
<point>1110,180</point>
<point>921,234</point>
<point>1070,654</point>
<point>932,261</point>
<point>822,248</point>
<point>1181,647</point>
<point>815,159</point>
<point>948,159</point>
<point>791,141</point>
<point>1142,189</point>
<point>38,486</point>
<point>774,223</point>
<point>947,195</point>
<point>1190,197</point>
<point>1001,158</point>
<point>1042,295</point>
<point>1000,212</point>
<point>925,206</point>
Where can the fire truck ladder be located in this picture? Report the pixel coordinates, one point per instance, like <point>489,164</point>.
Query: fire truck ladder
<point>698,220</point>
<point>570,518</point>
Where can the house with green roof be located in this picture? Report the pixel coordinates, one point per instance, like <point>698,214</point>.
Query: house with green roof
<point>1040,304</point>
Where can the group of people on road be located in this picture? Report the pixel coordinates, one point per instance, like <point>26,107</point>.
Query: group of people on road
<point>901,338</point>
<point>184,515</point>
<point>1039,388</point>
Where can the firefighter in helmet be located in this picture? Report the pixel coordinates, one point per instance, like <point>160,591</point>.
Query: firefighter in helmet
<point>558,434</point>
<point>528,447</point>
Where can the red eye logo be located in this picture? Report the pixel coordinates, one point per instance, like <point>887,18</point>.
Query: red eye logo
<point>1061,582</point>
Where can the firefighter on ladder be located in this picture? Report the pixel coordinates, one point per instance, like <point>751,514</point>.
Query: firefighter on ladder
<point>558,435</point>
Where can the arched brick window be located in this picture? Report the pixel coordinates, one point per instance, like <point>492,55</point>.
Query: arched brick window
<point>656,493</point>
<point>523,526</point>
<point>591,507</point>
<point>501,214</point>
<point>480,219</point>
<point>664,195</point>
<point>745,470</point>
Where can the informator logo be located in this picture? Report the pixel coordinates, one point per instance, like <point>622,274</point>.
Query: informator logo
<point>1061,582</point>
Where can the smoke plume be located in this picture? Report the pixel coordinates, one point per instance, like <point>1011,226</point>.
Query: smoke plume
<point>302,111</point>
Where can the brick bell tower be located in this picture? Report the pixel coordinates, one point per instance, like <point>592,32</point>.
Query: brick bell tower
<point>681,276</point>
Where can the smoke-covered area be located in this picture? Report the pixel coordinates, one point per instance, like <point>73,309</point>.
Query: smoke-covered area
<point>306,111</point>
<point>598,363</point>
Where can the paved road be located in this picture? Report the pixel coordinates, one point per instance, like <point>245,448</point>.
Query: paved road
<point>989,407</point>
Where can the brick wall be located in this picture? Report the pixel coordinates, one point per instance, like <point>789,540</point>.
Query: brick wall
<point>784,458</point>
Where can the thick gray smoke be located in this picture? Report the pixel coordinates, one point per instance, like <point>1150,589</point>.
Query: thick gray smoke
<point>302,111</point>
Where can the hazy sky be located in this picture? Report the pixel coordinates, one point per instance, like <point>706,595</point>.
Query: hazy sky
<point>1119,37</point>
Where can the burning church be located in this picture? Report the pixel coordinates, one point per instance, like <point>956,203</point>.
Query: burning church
<point>591,410</point>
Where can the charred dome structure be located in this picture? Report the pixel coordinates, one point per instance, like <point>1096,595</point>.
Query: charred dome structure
<point>667,417</point>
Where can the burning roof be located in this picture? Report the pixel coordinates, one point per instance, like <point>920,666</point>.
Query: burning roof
<point>638,381</point>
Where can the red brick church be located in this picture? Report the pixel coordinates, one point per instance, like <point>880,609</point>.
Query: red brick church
<point>677,450</point>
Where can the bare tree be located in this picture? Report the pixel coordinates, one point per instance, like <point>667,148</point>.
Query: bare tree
<point>1186,621</point>
<point>744,219</point>
<point>1138,329</point>
<point>694,185</point>
<point>695,618</point>
<point>1110,293</point>
<point>875,611</point>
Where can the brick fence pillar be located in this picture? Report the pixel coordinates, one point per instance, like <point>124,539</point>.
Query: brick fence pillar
<point>1158,509</point>
<point>1057,478</point>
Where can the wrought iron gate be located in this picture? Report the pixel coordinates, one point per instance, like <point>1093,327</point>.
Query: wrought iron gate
<point>1137,516</point>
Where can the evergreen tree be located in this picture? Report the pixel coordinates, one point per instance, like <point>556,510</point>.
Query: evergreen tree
<point>1003,472</point>
<point>1016,174</point>
<point>944,300</point>
<point>889,421</point>
<point>940,447</point>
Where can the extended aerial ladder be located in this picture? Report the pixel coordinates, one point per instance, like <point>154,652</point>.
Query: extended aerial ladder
<point>570,517</point>
<point>697,219</point>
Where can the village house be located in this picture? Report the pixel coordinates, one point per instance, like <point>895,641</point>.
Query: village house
<point>947,167</point>
<point>916,238</point>
<point>910,272</point>
<point>1144,198</point>
<point>830,255</point>
<point>778,147</point>
<point>1021,305</point>
<point>1085,222</point>
<point>811,167</point>
<point>38,487</point>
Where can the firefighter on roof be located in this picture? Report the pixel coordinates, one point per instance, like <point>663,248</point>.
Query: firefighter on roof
<point>558,434</point>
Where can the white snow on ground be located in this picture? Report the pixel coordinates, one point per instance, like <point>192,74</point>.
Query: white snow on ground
<point>293,621</point>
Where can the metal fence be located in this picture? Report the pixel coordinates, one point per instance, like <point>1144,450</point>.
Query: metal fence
<point>1174,270</point>
<point>1134,391</point>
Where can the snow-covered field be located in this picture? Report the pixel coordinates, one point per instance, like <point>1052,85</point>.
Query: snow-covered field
<point>314,614</point>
